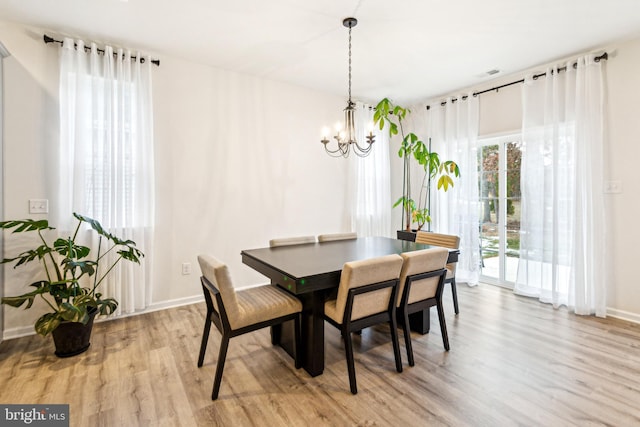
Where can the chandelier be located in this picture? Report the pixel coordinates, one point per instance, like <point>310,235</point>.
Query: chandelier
<point>346,136</point>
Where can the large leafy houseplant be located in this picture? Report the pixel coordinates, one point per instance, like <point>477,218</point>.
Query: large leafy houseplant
<point>71,280</point>
<point>435,170</point>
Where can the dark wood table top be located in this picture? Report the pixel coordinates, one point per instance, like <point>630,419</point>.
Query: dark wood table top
<point>313,266</point>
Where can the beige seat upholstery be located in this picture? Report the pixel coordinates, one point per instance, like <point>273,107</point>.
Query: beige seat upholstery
<point>366,297</point>
<point>236,313</point>
<point>337,236</point>
<point>445,241</point>
<point>287,241</point>
<point>421,284</point>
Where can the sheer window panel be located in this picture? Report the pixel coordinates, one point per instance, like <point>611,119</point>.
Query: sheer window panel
<point>106,155</point>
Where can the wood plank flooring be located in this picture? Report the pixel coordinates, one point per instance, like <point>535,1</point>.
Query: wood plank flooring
<point>513,361</point>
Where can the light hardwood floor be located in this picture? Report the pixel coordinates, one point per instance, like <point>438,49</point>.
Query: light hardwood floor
<point>513,361</point>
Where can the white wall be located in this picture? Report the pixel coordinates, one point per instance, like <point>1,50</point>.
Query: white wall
<point>238,161</point>
<point>29,126</point>
<point>623,80</point>
<point>3,54</point>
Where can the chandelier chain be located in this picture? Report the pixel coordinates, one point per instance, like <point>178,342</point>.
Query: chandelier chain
<point>349,64</point>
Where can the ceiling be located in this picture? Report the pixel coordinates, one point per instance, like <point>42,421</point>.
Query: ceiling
<point>407,50</point>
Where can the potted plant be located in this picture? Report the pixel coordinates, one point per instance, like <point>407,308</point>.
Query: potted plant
<point>387,113</point>
<point>71,280</point>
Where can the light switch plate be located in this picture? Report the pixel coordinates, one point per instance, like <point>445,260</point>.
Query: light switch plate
<point>38,206</point>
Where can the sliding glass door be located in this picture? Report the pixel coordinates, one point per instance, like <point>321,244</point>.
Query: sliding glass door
<point>499,162</point>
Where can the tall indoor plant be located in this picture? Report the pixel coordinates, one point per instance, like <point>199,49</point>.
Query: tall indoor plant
<point>388,113</point>
<point>69,280</point>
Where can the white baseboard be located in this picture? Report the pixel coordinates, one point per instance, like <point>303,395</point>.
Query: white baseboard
<point>24,331</point>
<point>18,332</point>
<point>624,315</point>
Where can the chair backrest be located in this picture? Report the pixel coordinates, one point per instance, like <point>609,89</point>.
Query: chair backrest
<point>287,241</point>
<point>417,262</point>
<point>443,240</point>
<point>337,236</point>
<point>367,272</point>
<point>217,273</point>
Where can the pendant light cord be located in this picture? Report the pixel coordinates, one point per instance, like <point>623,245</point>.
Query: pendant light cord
<point>349,64</point>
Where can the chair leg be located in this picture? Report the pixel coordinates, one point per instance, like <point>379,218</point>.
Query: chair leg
<point>205,340</point>
<point>394,340</point>
<point>407,337</point>
<point>222,355</point>
<point>297,343</point>
<point>454,292</point>
<point>443,325</point>
<point>348,348</point>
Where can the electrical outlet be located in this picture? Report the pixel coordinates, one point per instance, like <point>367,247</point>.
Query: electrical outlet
<point>186,268</point>
<point>38,206</point>
<point>613,187</point>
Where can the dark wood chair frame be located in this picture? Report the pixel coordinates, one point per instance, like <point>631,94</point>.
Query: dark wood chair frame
<point>454,292</point>
<point>452,280</point>
<point>348,326</point>
<point>222,323</point>
<point>405,309</point>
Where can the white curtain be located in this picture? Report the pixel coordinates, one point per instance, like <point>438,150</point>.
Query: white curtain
<point>106,156</point>
<point>563,230</point>
<point>454,133</point>
<point>369,180</point>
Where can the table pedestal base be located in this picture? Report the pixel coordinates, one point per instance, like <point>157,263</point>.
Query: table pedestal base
<point>312,328</point>
<point>421,321</point>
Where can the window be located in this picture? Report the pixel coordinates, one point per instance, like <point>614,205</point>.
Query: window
<point>106,138</point>
<point>110,163</point>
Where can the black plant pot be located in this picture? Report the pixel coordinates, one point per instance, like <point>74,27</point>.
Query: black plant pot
<point>71,338</point>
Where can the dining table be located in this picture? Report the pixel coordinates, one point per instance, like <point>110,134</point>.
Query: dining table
<point>311,272</point>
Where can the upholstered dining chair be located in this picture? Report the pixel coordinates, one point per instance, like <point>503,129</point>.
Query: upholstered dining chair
<point>337,236</point>
<point>421,285</point>
<point>366,297</point>
<point>445,241</point>
<point>236,313</point>
<point>287,241</point>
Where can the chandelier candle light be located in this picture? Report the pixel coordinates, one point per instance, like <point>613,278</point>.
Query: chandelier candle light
<point>346,137</point>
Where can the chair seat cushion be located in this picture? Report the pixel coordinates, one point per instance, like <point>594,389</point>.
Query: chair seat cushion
<point>263,303</point>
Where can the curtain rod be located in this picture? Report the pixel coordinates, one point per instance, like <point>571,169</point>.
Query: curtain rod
<point>48,39</point>
<point>535,77</point>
